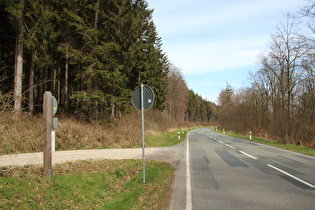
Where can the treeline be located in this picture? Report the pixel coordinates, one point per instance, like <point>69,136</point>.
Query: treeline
<point>90,54</point>
<point>183,104</point>
<point>280,100</point>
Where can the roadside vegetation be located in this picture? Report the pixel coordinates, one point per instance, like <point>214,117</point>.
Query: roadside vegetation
<point>106,184</point>
<point>25,134</point>
<point>166,139</point>
<point>292,147</point>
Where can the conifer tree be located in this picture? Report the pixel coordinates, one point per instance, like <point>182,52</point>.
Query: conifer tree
<point>96,51</point>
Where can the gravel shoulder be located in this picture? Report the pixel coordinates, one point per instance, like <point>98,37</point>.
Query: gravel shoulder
<point>171,154</point>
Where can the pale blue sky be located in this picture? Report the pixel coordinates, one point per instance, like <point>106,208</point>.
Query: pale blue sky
<point>218,41</point>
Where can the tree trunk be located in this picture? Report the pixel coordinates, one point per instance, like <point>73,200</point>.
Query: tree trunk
<point>113,107</point>
<point>31,85</point>
<point>19,64</point>
<point>58,90</point>
<point>97,11</point>
<point>66,82</point>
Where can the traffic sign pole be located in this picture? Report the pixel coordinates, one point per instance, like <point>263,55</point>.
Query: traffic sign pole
<point>142,98</point>
<point>142,117</point>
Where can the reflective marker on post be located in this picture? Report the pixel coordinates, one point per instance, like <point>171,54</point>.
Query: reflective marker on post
<point>53,141</point>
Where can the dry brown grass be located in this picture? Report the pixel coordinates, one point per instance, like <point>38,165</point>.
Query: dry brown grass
<point>72,134</point>
<point>20,133</point>
<point>24,133</point>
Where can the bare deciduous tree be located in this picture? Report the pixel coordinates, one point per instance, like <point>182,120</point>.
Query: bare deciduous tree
<point>176,103</point>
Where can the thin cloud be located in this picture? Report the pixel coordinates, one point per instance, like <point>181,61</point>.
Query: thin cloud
<point>184,16</point>
<point>214,42</point>
<point>200,58</point>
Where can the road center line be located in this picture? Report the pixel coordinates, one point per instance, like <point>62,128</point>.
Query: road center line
<point>290,175</point>
<point>230,146</point>
<point>221,142</point>
<point>248,155</point>
<point>188,183</point>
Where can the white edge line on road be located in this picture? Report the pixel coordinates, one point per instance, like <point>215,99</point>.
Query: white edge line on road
<point>188,183</point>
<point>221,142</point>
<point>290,175</point>
<point>248,155</point>
<point>230,146</point>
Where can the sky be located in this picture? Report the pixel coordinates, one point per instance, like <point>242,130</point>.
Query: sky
<point>217,42</point>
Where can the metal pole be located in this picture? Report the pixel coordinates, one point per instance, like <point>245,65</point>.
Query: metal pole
<point>142,116</point>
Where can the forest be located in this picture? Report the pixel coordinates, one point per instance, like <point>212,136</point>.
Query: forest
<point>91,54</point>
<point>279,100</point>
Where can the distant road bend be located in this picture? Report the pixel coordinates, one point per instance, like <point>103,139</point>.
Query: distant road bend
<point>223,172</point>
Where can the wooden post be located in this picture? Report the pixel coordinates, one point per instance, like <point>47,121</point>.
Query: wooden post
<point>47,110</point>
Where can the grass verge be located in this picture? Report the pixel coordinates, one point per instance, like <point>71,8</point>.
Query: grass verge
<point>165,139</point>
<point>106,184</point>
<point>295,148</point>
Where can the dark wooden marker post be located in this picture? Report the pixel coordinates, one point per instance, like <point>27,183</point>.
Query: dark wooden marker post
<point>47,110</point>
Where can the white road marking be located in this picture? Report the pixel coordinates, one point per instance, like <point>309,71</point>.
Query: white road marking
<point>230,146</point>
<point>188,183</point>
<point>290,175</point>
<point>248,155</point>
<point>284,172</point>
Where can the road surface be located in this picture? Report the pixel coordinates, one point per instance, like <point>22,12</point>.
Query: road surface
<point>171,154</point>
<point>222,172</point>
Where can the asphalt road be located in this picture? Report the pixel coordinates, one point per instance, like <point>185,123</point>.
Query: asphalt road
<point>222,172</point>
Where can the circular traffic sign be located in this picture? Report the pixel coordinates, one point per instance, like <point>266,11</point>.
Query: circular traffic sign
<point>148,97</point>
<point>54,105</point>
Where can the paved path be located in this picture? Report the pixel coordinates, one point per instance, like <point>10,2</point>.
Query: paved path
<point>170,154</point>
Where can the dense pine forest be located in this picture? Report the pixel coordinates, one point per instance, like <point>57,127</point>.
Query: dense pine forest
<point>90,54</point>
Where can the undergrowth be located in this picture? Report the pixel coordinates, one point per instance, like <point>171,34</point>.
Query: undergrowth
<point>23,133</point>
